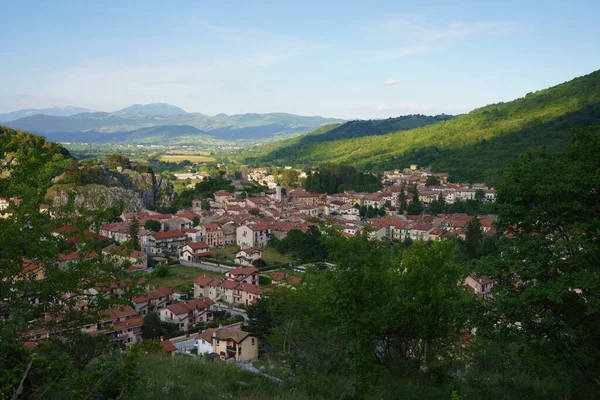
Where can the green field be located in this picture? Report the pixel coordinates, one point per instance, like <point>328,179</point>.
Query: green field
<point>179,276</point>
<point>175,158</point>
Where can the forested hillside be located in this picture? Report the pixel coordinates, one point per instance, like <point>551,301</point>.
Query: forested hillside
<point>471,146</point>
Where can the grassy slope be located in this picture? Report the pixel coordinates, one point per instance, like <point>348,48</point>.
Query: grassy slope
<point>180,275</point>
<point>197,378</point>
<point>472,146</point>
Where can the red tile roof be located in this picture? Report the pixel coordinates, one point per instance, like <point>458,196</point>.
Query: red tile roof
<point>168,235</point>
<point>167,346</point>
<point>203,280</point>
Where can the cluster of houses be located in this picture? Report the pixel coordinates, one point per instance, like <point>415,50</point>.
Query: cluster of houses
<point>451,192</point>
<point>251,222</point>
<point>192,234</point>
<point>124,324</point>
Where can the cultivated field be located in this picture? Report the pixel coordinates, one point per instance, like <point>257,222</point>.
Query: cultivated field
<point>182,155</point>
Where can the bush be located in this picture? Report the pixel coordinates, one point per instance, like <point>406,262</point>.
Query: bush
<point>264,280</point>
<point>162,271</point>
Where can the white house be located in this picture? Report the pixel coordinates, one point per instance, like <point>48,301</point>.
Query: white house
<point>252,235</point>
<point>248,256</point>
<point>194,251</point>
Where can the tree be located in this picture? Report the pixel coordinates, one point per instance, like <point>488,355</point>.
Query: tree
<point>51,301</point>
<point>480,195</point>
<point>414,207</point>
<point>113,161</point>
<point>289,177</point>
<point>473,238</point>
<point>432,180</point>
<point>205,205</point>
<point>428,297</point>
<point>134,233</point>
<point>152,326</point>
<point>546,299</point>
<point>402,203</point>
<point>152,225</point>
<point>437,206</point>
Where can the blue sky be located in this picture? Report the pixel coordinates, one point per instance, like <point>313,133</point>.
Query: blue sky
<point>347,59</point>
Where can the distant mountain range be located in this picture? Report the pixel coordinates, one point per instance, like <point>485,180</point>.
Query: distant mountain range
<point>56,112</point>
<point>472,147</point>
<point>152,109</point>
<point>159,123</point>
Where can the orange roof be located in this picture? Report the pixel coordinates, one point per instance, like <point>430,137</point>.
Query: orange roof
<point>167,346</point>
<point>197,245</point>
<point>203,280</point>
<point>129,323</point>
<point>168,235</point>
<point>229,284</point>
<point>76,255</point>
<point>243,271</point>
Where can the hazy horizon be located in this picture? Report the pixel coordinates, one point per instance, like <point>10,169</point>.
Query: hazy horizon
<point>330,59</point>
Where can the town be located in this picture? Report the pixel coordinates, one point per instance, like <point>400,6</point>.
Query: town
<point>242,228</point>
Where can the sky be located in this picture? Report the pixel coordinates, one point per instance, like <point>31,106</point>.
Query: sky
<point>344,59</point>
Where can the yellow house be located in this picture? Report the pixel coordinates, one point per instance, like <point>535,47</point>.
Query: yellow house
<point>231,342</point>
<point>33,270</point>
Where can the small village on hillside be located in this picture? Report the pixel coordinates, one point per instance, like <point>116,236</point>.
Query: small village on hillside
<point>222,255</point>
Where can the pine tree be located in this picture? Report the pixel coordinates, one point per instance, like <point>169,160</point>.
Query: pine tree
<point>402,199</point>
<point>134,234</point>
<point>414,207</point>
<point>473,238</point>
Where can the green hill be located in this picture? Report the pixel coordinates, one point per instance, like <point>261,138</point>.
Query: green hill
<point>471,147</point>
<point>127,126</point>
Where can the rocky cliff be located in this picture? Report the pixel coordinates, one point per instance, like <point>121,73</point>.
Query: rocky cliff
<point>97,187</point>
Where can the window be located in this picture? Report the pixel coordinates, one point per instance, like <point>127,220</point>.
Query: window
<point>252,341</point>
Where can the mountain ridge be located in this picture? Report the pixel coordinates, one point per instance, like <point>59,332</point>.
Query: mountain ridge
<point>54,111</point>
<point>471,146</point>
<point>122,127</point>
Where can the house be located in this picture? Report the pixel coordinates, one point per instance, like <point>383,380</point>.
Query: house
<point>187,315</point>
<point>176,223</point>
<point>248,256</point>
<point>230,342</point>
<point>252,235</point>
<point>66,260</point>
<point>166,242</point>
<point>194,251</point>
<point>229,290</point>
<point>221,197</point>
<point>248,275</point>
<point>137,260</point>
<point>479,285</point>
<point>305,198</point>
<point>118,231</point>
<point>284,279</point>
<point>194,235</point>
<point>152,301</point>
<point>214,234</point>
<point>32,270</point>
<point>229,232</point>
<point>168,347</point>
<point>122,325</point>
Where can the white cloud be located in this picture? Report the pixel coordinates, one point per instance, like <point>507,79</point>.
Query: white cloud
<point>415,35</point>
<point>391,82</point>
